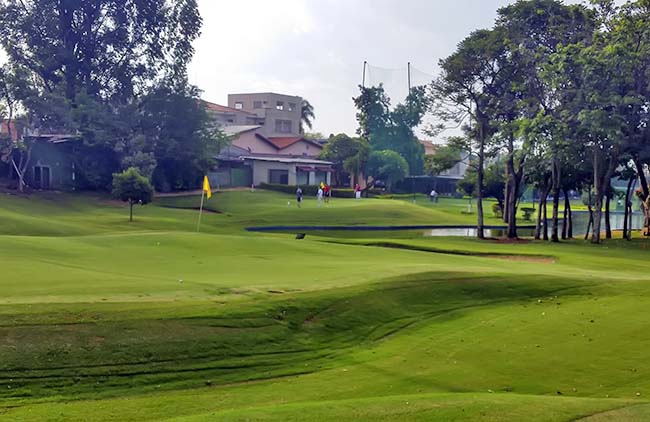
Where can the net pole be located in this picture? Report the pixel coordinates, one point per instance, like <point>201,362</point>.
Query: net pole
<point>363,79</point>
<point>408,73</point>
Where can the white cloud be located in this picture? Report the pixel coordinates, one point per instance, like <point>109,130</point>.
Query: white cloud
<point>316,48</point>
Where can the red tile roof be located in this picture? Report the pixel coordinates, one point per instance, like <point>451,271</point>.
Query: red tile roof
<point>282,143</point>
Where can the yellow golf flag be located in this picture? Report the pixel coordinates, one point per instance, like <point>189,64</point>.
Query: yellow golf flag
<point>206,187</point>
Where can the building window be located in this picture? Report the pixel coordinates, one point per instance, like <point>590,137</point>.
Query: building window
<point>257,104</point>
<point>292,106</point>
<point>302,177</point>
<point>279,177</point>
<point>239,105</point>
<point>279,105</point>
<point>283,126</point>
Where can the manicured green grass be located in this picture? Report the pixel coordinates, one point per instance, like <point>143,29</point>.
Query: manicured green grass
<point>105,320</point>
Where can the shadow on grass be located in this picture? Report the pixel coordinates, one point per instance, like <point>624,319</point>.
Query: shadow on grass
<point>274,336</point>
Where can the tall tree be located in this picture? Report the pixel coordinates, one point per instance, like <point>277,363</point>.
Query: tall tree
<point>90,64</point>
<point>392,129</point>
<point>627,36</point>
<point>469,79</point>
<point>535,30</point>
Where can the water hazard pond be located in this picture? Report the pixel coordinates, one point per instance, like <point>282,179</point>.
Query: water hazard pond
<point>580,220</point>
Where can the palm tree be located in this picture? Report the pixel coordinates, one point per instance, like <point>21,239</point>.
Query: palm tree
<point>306,115</point>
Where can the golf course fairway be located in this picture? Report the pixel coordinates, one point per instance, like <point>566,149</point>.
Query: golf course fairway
<point>102,319</point>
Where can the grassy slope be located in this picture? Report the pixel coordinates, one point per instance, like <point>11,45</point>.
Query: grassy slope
<point>93,310</point>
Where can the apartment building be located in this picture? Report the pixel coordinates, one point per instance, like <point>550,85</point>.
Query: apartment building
<point>266,145</point>
<point>278,114</point>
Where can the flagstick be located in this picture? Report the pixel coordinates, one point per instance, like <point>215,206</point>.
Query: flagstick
<point>198,225</point>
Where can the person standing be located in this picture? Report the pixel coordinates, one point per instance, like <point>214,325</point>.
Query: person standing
<point>357,191</point>
<point>299,196</point>
<point>434,196</point>
<point>327,191</point>
<point>319,196</point>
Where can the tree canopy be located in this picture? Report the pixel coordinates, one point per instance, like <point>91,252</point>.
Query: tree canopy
<point>132,187</point>
<point>392,129</point>
<point>115,73</point>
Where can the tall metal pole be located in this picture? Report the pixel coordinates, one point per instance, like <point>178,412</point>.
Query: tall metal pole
<point>408,71</point>
<point>363,80</point>
<point>363,84</point>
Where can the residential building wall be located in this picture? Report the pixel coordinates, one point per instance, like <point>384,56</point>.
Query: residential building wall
<point>252,143</point>
<point>225,116</point>
<point>277,122</point>
<point>303,149</point>
<point>261,171</point>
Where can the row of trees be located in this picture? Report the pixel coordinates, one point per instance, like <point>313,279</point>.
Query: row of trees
<point>113,73</point>
<point>562,93</point>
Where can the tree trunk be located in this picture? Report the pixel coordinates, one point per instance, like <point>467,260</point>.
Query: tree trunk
<point>565,218</point>
<point>556,217</point>
<point>480,176</point>
<point>542,201</point>
<point>545,233</point>
<point>597,220</point>
<point>538,225</point>
<point>608,222</point>
<point>570,229</point>
<point>627,208</point>
<point>642,179</point>
<point>602,180</point>
<point>556,200</point>
<point>514,184</point>
<point>506,197</point>
<point>640,170</point>
<point>629,223</point>
<point>590,223</point>
<point>130,210</point>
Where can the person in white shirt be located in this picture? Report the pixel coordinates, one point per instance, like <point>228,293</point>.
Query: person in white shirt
<point>319,196</point>
<point>434,196</point>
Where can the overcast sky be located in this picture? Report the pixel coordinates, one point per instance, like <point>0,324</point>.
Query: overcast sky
<point>316,48</point>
